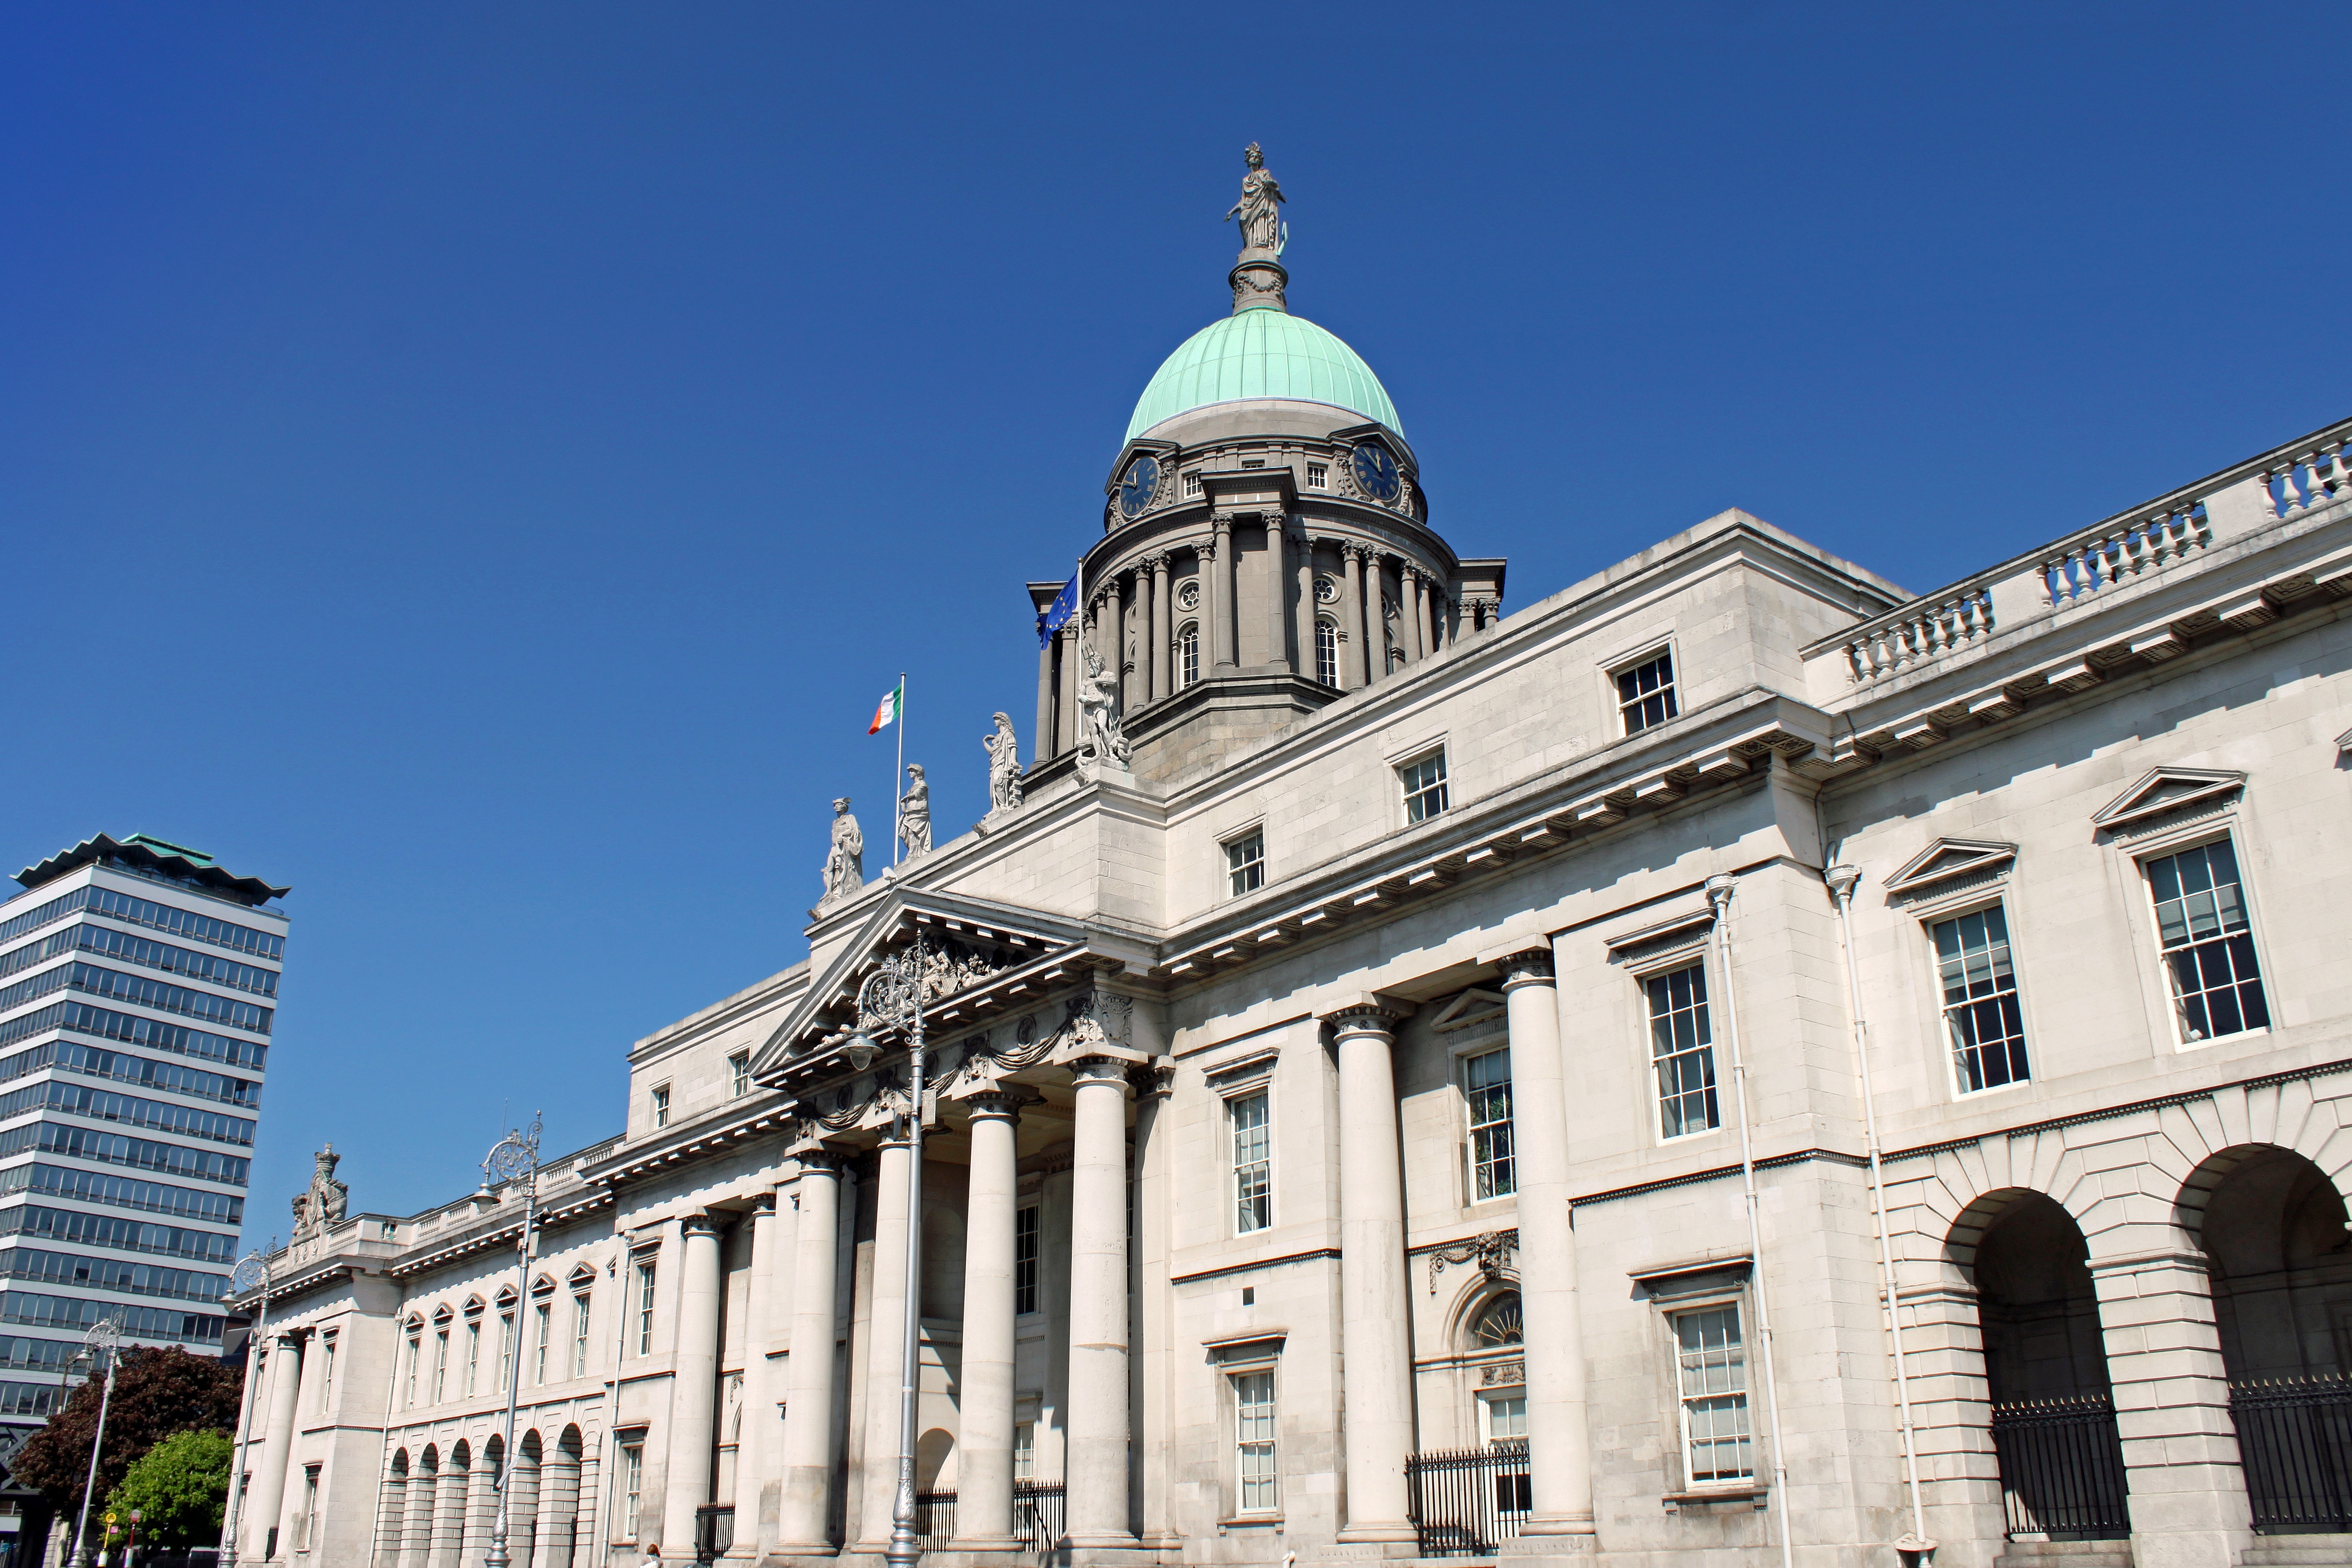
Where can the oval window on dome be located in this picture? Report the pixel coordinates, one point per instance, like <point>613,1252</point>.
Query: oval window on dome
<point>1188,597</point>
<point>1326,590</point>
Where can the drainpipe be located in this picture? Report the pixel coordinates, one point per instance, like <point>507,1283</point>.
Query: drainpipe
<point>1842,880</point>
<point>1719,889</point>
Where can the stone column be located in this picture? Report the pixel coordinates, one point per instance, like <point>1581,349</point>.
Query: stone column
<point>1355,668</point>
<point>1095,1503</point>
<point>1373,1302</point>
<point>694,1386</point>
<point>1416,610</point>
<point>1205,573</point>
<point>2186,1491</point>
<point>1559,1444</point>
<point>1278,594</point>
<point>1041,739</point>
<point>984,1390</point>
<point>416,1522</point>
<point>1158,630</point>
<point>1134,674</point>
<point>804,1512</point>
<point>1065,693</point>
<point>755,1451</point>
<point>268,1503</point>
<point>1303,627</point>
<point>1219,654</point>
<point>879,1480</point>
<point>1376,619</point>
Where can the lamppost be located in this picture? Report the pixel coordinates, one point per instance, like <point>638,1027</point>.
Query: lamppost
<point>251,1273</point>
<point>104,1339</point>
<point>892,997</point>
<point>514,1158</point>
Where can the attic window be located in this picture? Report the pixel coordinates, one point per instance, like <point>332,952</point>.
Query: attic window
<point>1192,483</point>
<point>1252,462</point>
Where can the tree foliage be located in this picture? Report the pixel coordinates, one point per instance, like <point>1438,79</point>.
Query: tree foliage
<point>157,1392</point>
<point>179,1489</point>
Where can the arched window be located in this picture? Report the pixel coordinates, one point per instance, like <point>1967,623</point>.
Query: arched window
<point>1188,653</point>
<point>1498,1323</point>
<point>1327,650</point>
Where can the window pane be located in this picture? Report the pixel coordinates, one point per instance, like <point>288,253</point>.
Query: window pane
<point>1712,1371</point>
<point>2200,918</point>
<point>1981,1012</point>
<point>1487,1084</point>
<point>1682,1044</point>
<point>1252,1164</point>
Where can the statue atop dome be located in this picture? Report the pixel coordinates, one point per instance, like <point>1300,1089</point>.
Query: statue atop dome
<point>1260,208</point>
<point>1258,277</point>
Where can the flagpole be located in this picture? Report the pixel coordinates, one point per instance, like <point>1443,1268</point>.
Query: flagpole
<point>899,780</point>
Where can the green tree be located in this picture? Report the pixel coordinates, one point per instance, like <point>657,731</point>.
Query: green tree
<point>179,1489</point>
<point>157,1392</point>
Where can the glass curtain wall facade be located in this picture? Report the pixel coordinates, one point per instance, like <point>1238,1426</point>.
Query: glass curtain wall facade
<point>138,987</point>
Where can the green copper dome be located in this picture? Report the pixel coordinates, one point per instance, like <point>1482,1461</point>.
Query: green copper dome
<point>1262,353</point>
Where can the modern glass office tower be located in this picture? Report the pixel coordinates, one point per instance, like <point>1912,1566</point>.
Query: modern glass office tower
<point>138,982</point>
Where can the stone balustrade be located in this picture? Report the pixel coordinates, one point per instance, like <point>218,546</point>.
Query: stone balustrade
<point>2281,486</point>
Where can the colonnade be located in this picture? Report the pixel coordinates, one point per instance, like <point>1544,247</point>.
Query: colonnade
<point>439,1511</point>
<point>1278,593</point>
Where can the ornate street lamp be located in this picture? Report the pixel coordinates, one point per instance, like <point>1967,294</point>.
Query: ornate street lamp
<point>251,1273</point>
<point>102,1343</point>
<point>892,997</point>
<point>514,1158</point>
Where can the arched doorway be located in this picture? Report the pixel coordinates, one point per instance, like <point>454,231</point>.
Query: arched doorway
<point>2054,1414</point>
<point>2275,1240</point>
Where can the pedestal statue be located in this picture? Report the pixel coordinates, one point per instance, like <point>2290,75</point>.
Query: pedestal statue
<point>844,863</point>
<point>1101,741</point>
<point>915,813</point>
<point>1003,766</point>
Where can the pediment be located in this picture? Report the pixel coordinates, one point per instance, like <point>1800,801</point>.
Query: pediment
<point>2160,790</point>
<point>1948,857</point>
<point>2344,742</point>
<point>974,948</point>
<point>1474,1007</point>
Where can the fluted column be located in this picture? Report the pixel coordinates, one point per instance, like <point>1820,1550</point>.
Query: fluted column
<point>984,1390</point>
<point>804,1512</point>
<point>694,1385</point>
<point>1095,1503</point>
<point>1416,613</point>
<point>1559,1444</point>
<point>1376,620</point>
<point>1355,660</point>
<point>269,1499</point>
<point>755,1450</point>
<point>1219,624</point>
<point>878,1474</point>
<point>1373,1302</point>
<point>1278,594</point>
<point>1158,629</point>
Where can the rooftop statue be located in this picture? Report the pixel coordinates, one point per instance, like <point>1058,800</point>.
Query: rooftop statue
<point>1004,765</point>
<point>1103,742</point>
<point>915,813</point>
<point>1260,208</point>
<point>323,1203</point>
<point>844,863</point>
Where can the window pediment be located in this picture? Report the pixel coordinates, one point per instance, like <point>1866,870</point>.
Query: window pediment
<point>1948,857</point>
<point>2165,789</point>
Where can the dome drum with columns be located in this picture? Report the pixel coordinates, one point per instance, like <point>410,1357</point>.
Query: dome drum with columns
<point>1265,547</point>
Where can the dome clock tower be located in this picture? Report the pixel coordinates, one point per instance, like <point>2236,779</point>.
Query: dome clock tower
<point>1266,543</point>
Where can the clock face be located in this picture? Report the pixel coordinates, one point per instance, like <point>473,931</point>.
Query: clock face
<point>1376,471</point>
<point>1135,492</point>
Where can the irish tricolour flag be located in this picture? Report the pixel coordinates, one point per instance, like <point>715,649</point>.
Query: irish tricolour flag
<point>887,710</point>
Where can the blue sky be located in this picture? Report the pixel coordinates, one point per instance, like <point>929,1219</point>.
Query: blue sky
<point>480,465</point>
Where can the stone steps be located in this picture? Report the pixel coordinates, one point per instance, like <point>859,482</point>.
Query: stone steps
<point>2298,1552</point>
<point>2065,1554</point>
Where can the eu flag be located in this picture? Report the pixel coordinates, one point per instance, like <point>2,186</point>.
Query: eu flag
<point>1064,605</point>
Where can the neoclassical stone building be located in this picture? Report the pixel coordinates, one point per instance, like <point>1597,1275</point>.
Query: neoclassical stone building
<point>1408,1080</point>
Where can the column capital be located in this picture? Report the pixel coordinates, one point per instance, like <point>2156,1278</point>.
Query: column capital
<point>1155,562</point>
<point>699,1225</point>
<point>1089,1071</point>
<point>1366,1018</point>
<point>821,1160</point>
<point>1222,522</point>
<point>763,1206</point>
<point>1529,966</point>
<point>1000,1104</point>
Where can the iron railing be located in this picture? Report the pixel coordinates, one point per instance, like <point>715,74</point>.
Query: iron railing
<point>2061,1468</point>
<point>1464,1500</point>
<point>2294,1441</point>
<point>1036,1516</point>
